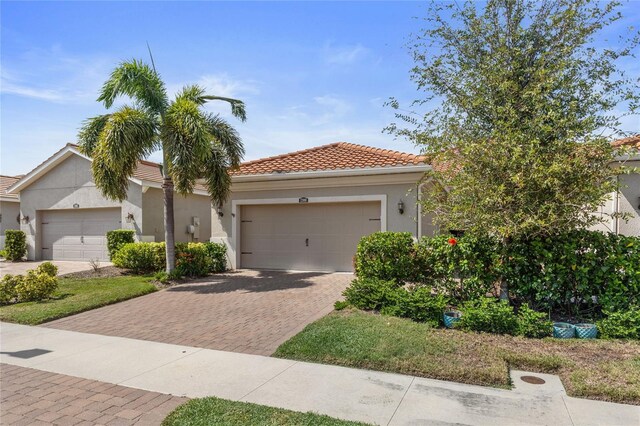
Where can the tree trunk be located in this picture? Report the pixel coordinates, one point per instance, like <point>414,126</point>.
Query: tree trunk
<point>504,285</point>
<point>169,225</point>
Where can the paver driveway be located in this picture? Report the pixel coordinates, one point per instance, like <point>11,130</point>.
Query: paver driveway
<point>243,311</point>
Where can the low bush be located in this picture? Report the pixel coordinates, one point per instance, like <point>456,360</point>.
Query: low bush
<point>620,325</point>
<point>575,272</point>
<point>47,268</point>
<point>118,238</point>
<point>373,294</point>
<point>15,244</point>
<point>422,306</point>
<point>3,254</point>
<point>217,253</point>
<point>35,286</point>
<point>8,291</point>
<point>533,324</point>
<point>141,257</point>
<point>488,315</point>
<point>387,256</point>
<point>464,268</point>
<point>340,305</point>
<point>192,260</point>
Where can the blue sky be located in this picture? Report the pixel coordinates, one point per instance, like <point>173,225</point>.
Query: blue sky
<point>310,73</point>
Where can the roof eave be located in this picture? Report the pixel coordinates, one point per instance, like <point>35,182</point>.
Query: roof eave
<point>44,168</point>
<point>416,168</point>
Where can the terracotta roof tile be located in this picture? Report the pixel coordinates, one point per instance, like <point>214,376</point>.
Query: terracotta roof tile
<point>335,156</point>
<point>6,182</point>
<point>632,141</point>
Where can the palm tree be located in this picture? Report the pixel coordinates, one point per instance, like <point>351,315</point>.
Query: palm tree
<point>195,144</point>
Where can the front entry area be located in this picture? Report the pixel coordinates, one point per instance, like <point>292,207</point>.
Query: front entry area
<point>78,234</point>
<point>305,237</point>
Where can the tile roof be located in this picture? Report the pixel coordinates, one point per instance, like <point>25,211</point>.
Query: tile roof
<point>632,141</point>
<point>6,182</point>
<point>335,156</point>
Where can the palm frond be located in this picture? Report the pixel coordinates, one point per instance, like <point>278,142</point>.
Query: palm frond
<point>187,140</point>
<point>89,133</point>
<point>128,135</point>
<point>137,80</point>
<point>227,137</point>
<point>194,93</point>
<point>216,174</point>
<point>237,106</point>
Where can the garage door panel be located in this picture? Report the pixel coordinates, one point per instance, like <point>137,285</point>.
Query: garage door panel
<point>274,236</point>
<point>78,234</point>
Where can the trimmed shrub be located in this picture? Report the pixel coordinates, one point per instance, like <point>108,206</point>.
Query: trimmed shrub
<point>47,268</point>
<point>192,260</point>
<point>8,291</point>
<point>217,253</point>
<point>422,306</point>
<point>117,238</point>
<point>620,325</point>
<point>488,315</point>
<point>387,256</point>
<point>373,293</point>
<point>141,257</point>
<point>533,324</point>
<point>35,286</point>
<point>15,244</point>
<point>464,268</point>
<point>575,272</point>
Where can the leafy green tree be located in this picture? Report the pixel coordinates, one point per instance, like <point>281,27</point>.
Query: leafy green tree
<point>517,97</point>
<point>196,145</point>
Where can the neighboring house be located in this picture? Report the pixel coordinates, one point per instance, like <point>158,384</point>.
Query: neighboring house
<point>307,210</point>
<point>9,207</point>
<point>627,200</point>
<point>66,217</point>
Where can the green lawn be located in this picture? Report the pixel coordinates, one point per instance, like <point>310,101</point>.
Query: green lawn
<point>77,295</point>
<point>597,369</point>
<point>220,412</point>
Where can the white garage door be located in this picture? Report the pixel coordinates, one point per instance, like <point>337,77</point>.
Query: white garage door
<point>307,237</point>
<point>78,234</point>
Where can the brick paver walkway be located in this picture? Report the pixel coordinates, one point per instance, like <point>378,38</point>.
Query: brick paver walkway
<point>34,397</point>
<point>244,311</point>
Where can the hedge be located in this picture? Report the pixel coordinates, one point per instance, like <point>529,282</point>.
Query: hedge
<point>577,272</point>
<point>117,238</point>
<point>192,259</point>
<point>37,284</point>
<point>15,244</point>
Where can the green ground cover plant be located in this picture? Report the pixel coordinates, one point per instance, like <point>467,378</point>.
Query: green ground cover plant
<point>75,295</point>
<point>220,412</point>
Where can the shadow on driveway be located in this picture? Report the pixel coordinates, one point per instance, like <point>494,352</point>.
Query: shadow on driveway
<point>254,281</point>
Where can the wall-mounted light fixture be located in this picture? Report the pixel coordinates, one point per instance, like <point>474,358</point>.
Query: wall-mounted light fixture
<point>219,210</point>
<point>76,206</point>
<point>129,218</point>
<point>25,220</point>
<point>400,207</point>
<point>638,203</point>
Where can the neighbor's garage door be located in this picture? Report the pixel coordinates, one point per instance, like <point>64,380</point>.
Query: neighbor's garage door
<point>77,234</point>
<point>309,237</point>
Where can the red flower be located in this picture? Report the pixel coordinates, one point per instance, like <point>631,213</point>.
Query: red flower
<point>453,241</point>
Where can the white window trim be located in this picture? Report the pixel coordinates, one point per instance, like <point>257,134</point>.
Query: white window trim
<point>235,204</point>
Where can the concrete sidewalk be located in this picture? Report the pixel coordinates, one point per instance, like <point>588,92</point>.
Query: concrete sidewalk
<point>374,397</point>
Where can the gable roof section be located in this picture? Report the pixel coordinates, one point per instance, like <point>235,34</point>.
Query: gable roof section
<point>5,183</point>
<point>148,173</point>
<point>632,141</point>
<point>335,156</point>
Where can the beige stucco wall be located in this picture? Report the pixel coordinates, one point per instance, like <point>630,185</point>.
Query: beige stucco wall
<point>184,208</point>
<point>9,211</point>
<point>67,184</point>
<point>398,187</point>
<point>627,201</point>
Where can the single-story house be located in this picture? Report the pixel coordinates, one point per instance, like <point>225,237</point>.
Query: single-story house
<point>66,217</point>
<point>9,207</point>
<point>627,200</point>
<point>307,210</point>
